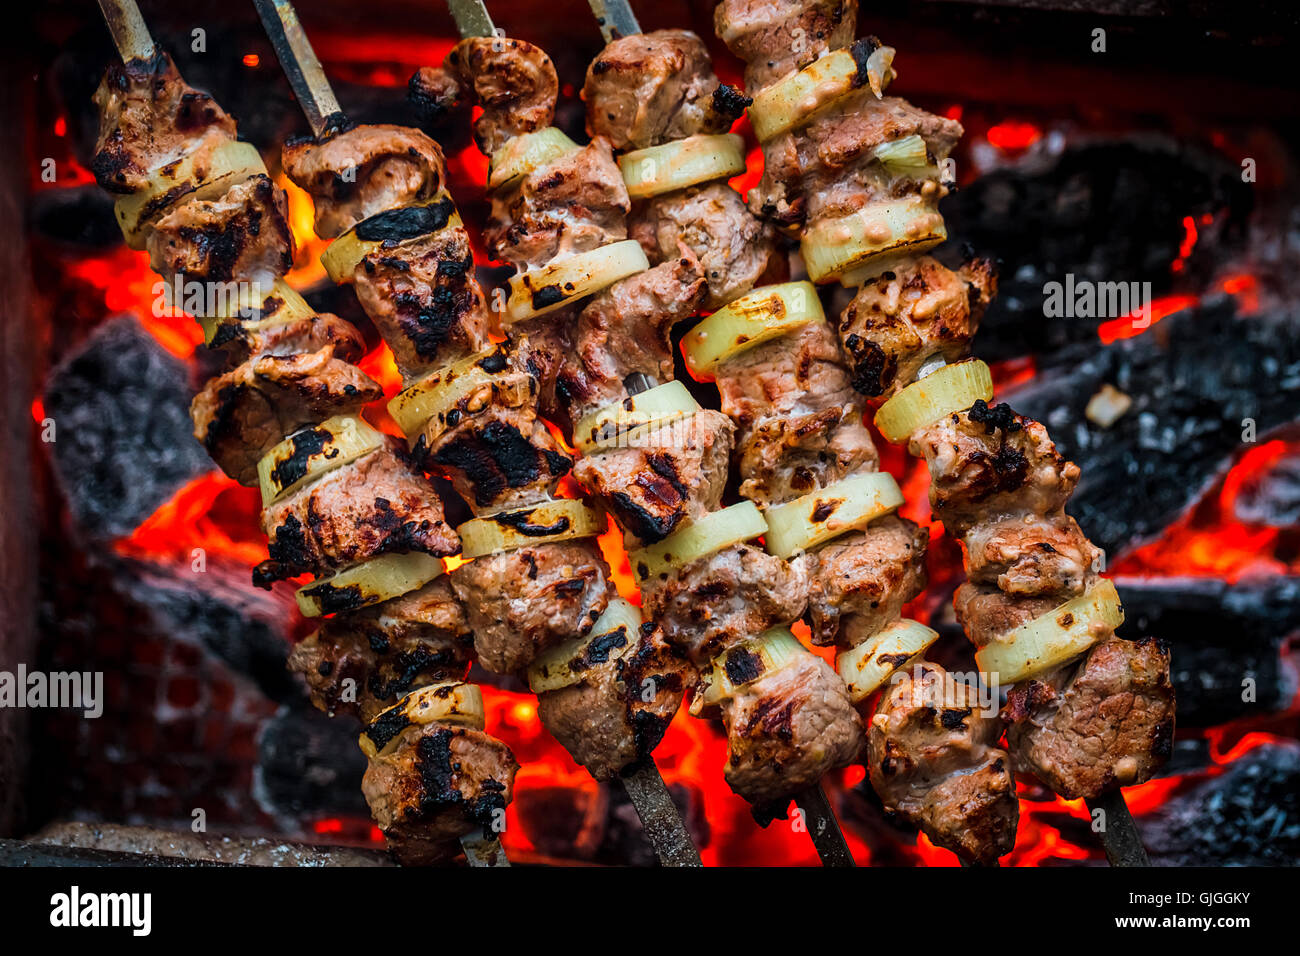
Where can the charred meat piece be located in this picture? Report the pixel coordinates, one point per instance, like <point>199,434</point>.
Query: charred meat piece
<point>374,505</point>
<point>933,757</point>
<point>778,37</point>
<point>859,582</point>
<point>989,460</point>
<point>239,415</point>
<point>363,662</point>
<point>574,204</point>
<point>242,236</point>
<point>800,419</point>
<point>512,80</point>
<point>625,329</point>
<point>827,167</point>
<point>500,458</point>
<point>363,171</point>
<point>736,251</point>
<point>149,118</point>
<point>521,602</point>
<point>1032,556</point>
<point>903,318</point>
<point>425,300</point>
<point>604,721</point>
<point>312,334</point>
<point>663,477</point>
<point>1093,726</point>
<point>787,729</point>
<point>733,594</point>
<point>435,784</point>
<point>650,88</point>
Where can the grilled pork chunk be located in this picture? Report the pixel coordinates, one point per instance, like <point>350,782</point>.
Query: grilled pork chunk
<point>1095,725</point>
<point>425,300</point>
<point>736,251</point>
<point>859,582</point>
<point>240,415</point>
<point>437,784</point>
<point>521,602</point>
<point>800,419</point>
<point>662,478</point>
<point>787,729</point>
<point>778,37</point>
<point>605,721</point>
<point>651,88</point>
<point>934,759</point>
<point>242,236</point>
<point>512,80</point>
<point>573,204</point>
<point>1032,556</point>
<point>311,334</point>
<point>377,504</point>
<point>362,662</point>
<point>148,118</point>
<point>711,603</point>
<point>363,171</point>
<point>900,320</point>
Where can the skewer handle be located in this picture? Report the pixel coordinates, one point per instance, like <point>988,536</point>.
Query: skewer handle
<point>663,824</point>
<point>615,18</point>
<point>472,18</point>
<point>823,827</point>
<point>483,850</point>
<point>303,70</point>
<point>130,35</point>
<point>1120,838</point>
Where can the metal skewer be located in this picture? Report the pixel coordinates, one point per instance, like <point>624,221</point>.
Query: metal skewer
<point>1119,836</point>
<point>645,786</point>
<point>307,78</point>
<point>130,35</point>
<point>615,18</point>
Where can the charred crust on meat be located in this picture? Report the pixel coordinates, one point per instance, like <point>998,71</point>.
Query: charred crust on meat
<point>872,368</point>
<point>289,548</point>
<point>409,222</point>
<point>521,522</point>
<point>643,523</point>
<point>993,418</point>
<point>954,718</point>
<point>647,730</point>
<point>729,101</point>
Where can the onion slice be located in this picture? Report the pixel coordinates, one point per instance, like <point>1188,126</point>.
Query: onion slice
<point>545,523</point>
<point>613,635</point>
<point>312,452</point>
<point>708,535</point>
<point>447,702</point>
<point>751,320</point>
<point>564,281</point>
<point>794,100</point>
<point>844,506</point>
<point>228,164</point>
<point>863,244</point>
<point>436,402</point>
<point>1054,638</point>
<point>743,663</point>
<point>381,578</point>
<point>521,155</point>
<point>279,307</point>
<point>682,163</point>
<point>654,407</point>
<point>952,388</point>
<point>345,253</point>
<point>867,666</point>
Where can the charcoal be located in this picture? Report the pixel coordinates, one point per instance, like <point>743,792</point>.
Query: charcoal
<point>124,442</point>
<point>1219,635</point>
<point>309,766</point>
<point>80,217</point>
<point>1247,816</point>
<point>1194,378</point>
<point>1272,497</point>
<point>220,610</point>
<point>1109,211</point>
